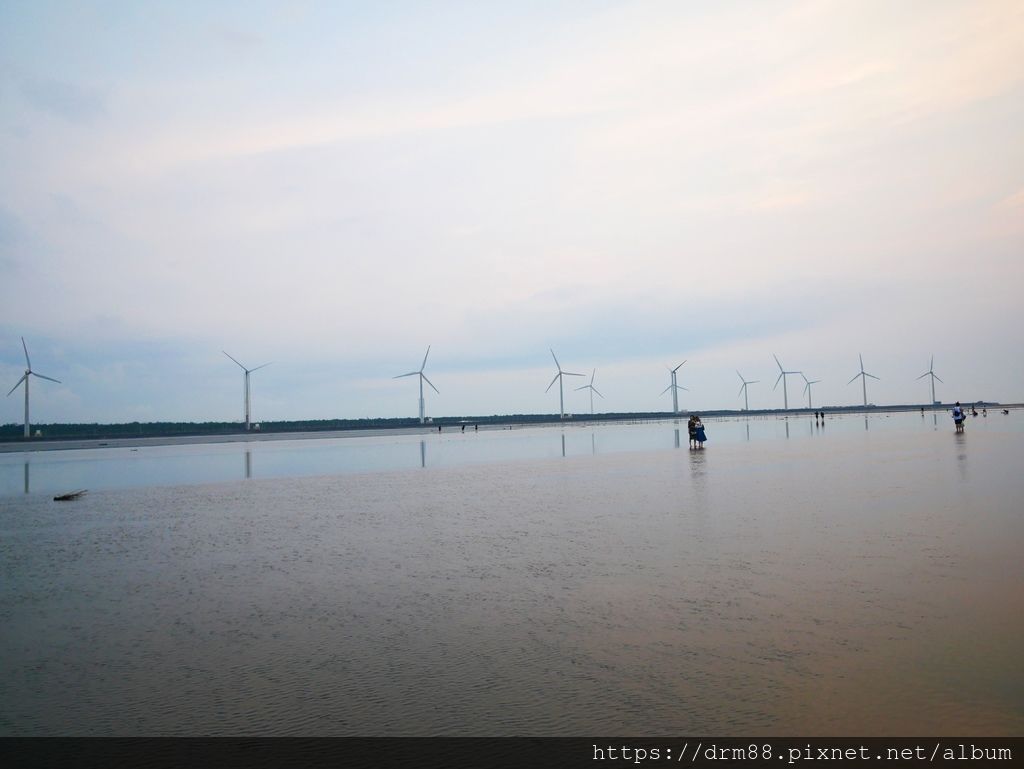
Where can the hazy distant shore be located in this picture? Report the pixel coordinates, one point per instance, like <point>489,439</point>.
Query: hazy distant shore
<point>280,432</point>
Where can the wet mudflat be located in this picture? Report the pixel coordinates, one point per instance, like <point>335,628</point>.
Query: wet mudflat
<point>843,581</point>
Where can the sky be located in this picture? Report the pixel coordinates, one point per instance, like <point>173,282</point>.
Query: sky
<point>335,186</point>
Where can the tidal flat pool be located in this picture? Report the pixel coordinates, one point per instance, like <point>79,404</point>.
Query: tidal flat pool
<point>843,581</point>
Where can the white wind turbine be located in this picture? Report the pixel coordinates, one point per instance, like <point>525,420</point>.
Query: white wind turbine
<point>592,390</point>
<point>782,376</point>
<point>931,373</point>
<point>423,378</point>
<point>245,399</point>
<point>675,388</point>
<point>863,376</point>
<point>807,388</point>
<point>558,377</point>
<point>743,389</point>
<point>24,378</point>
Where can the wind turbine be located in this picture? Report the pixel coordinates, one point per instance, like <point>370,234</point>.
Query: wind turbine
<point>24,378</point>
<point>931,372</point>
<point>743,389</point>
<point>246,397</point>
<point>782,376</point>
<point>807,388</point>
<point>423,378</point>
<point>863,377</point>
<point>675,388</point>
<point>558,377</point>
<point>592,390</point>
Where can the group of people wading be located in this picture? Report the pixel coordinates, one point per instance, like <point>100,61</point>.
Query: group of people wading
<point>696,430</point>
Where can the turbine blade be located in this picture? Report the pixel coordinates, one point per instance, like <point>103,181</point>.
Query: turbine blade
<point>411,373</point>
<point>926,373</point>
<point>25,347</point>
<point>937,377</point>
<point>595,390</point>
<point>425,360</point>
<point>740,376</point>
<point>861,361</point>
<point>678,367</point>
<point>259,367</point>
<point>557,364</point>
<point>661,393</point>
<point>554,380</point>
<point>776,385</point>
<point>854,377</point>
<point>41,376</point>
<point>585,387</point>
<point>741,387</point>
<point>592,375</point>
<point>872,376</point>
<point>239,364</point>
<point>23,378</point>
<point>569,373</point>
<point>682,388</point>
<point>777,361</point>
<point>429,382</point>
<point>753,381</point>
<point>806,386</point>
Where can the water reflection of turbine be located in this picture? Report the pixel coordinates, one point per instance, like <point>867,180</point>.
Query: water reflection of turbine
<point>865,422</point>
<point>748,431</point>
<point>677,437</point>
<point>26,476</point>
<point>563,444</point>
<point>423,453</point>
<point>593,445</point>
<point>248,464</point>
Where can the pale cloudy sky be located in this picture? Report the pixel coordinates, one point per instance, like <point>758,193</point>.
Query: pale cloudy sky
<point>334,186</point>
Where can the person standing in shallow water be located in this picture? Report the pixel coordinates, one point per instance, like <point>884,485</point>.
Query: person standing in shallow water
<point>691,428</point>
<point>700,434</point>
<point>958,417</point>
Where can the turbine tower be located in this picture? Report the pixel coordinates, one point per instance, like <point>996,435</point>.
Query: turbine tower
<point>246,395</point>
<point>592,390</point>
<point>807,388</point>
<point>558,377</point>
<point>675,388</point>
<point>931,373</point>
<point>782,376</point>
<point>24,378</point>
<point>863,377</point>
<point>423,378</point>
<point>743,389</point>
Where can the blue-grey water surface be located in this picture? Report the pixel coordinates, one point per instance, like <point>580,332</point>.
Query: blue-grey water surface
<point>842,581</point>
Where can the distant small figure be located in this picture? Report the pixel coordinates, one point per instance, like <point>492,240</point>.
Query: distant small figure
<point>958,417</point>
<point>700,434</point>
<point>476,428</point>
<point>974,411</point>
<point>691,428</point>
<point>1006,411</point>
<point>922,411</point>
<point>984,411</point>
<point>463,428</point>
<point>439,428</point>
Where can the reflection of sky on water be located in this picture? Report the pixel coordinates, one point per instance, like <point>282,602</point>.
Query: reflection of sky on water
<point>108,468</point>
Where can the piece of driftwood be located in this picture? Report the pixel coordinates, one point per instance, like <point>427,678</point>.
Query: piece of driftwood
<point>69,496</point>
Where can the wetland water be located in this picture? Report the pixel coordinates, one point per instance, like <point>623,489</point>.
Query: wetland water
<point>841,581</point>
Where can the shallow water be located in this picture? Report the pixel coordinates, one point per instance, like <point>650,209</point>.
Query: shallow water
<point>128,467</point>
<point>844,581</point>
